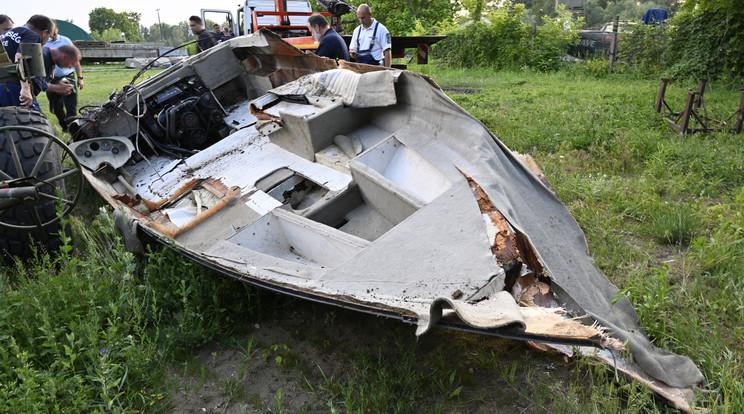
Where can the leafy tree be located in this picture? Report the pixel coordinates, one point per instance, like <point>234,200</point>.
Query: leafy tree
<point>598,12</point>
<point>173,35</point>
<point>707,40</point>
<point>109,35</point>
<point>102,19</point>
<point>552,39</point>
<point>401,16</point>
<point>474,8</point>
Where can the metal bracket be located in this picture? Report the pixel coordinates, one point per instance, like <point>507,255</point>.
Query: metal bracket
<point>695,113</point>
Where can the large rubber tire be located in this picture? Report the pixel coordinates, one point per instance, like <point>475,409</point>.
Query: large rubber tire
<point>17,242</point>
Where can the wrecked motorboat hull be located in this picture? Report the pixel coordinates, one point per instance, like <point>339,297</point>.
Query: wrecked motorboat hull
<point>362,188</point>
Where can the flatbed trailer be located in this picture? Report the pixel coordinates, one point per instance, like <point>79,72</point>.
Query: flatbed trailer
<point>287,19</point>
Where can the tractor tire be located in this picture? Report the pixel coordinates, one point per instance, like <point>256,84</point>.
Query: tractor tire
<point>20,242</point>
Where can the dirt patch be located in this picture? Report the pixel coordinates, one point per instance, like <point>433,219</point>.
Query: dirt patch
<point>292,361</point>
<point>676,259</point>
<point>461,89</point>
<point>264,370</point>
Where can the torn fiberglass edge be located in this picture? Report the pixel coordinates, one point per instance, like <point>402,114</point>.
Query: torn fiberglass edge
<point>368,189</point>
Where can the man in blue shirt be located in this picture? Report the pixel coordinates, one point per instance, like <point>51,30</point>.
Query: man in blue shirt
<point>331,45</point>
<point>64,105</point>
<point>36,30</point>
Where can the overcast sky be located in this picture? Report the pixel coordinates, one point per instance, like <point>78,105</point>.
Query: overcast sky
<point>171,11</point>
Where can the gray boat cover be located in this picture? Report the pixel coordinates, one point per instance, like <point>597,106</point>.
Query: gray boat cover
<point>516,192</point>
<point>534,210</point>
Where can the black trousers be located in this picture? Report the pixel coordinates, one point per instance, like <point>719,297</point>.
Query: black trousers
<point>63,106</point>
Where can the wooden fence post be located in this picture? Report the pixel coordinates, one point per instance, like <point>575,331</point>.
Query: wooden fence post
<point>613,44</point>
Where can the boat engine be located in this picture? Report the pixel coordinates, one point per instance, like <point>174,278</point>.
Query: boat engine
<point>191,123</point>
<point>185,115</point>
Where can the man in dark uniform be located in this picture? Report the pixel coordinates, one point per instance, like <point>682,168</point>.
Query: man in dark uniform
<point>206,38</point>
<point>331,45</point>
<point>13,92</point>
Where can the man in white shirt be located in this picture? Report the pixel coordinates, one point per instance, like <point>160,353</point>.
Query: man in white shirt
<point>370,43</point>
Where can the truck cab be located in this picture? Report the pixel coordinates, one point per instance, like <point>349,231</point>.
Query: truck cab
<point>286,17</point>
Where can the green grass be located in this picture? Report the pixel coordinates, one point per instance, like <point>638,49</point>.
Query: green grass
<point>635,187</point>
<point>664,217</point>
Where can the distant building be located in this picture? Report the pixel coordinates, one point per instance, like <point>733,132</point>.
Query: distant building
<point>73,31</point>
<point>576,7</point>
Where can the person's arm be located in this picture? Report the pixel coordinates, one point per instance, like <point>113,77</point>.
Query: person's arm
<point>352,44</point>
<point>387,45</point>
<point>61,88</point>
<point>214,38</point>
<point>26,96</point>
<point>79,73</point>
<point>205,41</point>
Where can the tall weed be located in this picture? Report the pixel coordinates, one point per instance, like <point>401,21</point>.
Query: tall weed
<point>91,329</point>
<point>503,40</point>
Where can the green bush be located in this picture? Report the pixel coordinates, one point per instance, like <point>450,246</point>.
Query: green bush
<point>674,224</point>
<point>503,40</point>
<point>74,331</point>
<point>645,47</point>
<point>498,42</point>
<point>90,330</point>
<point>596,67</point>
<point>707,44</point>
<point>552,39</point>
<point>703,40</point>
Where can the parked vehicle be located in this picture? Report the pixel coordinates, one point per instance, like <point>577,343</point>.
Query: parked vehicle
<point>288,18</point>
<point>596,42</point>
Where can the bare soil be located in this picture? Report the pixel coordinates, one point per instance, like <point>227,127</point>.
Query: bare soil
<point>317,344</point>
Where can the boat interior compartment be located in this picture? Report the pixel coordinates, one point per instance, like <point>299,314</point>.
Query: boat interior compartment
<point>349,213</point>
<point>292,190</point>
<point>323,183</point>
<point>396,180</point>
<point>291,237</point>
<point>305,135</point>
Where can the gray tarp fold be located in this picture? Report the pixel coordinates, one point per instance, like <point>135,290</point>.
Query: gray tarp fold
<point>461,143</point>
<point>530,207</point>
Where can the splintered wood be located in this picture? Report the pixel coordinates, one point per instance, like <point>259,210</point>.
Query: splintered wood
<point>502,238</point>
<point>542,313</point>
<point>554,322</point>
